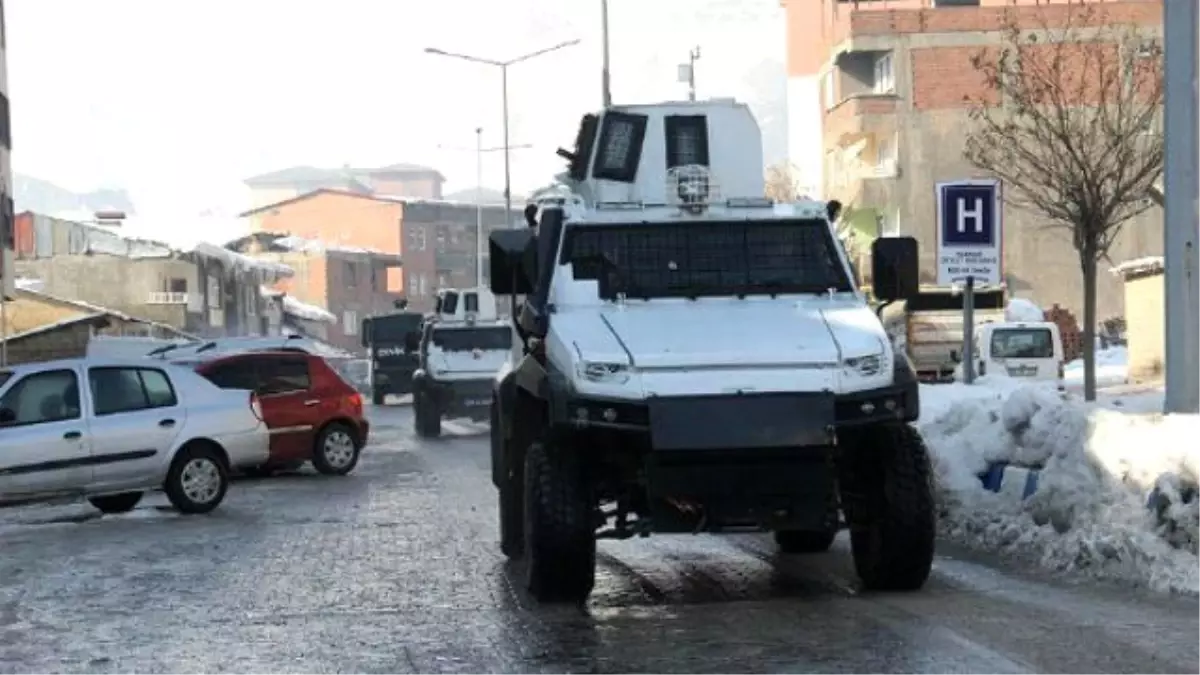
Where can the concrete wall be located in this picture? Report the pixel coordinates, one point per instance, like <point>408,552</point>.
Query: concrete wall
<point>1145,325</point>
<point>116,283</point>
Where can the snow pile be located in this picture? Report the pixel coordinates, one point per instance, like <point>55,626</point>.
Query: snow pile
<point>1020,309</point>
<point>1112,368</point>
<point>1097,469</point>
<point>1147,265</point>
<point>305,311</point>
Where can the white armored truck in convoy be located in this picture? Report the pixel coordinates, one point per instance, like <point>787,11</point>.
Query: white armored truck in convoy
<point>692,357</point>
<point>463,344</point>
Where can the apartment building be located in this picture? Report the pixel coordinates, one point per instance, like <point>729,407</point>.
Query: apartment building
<point>878,95</point>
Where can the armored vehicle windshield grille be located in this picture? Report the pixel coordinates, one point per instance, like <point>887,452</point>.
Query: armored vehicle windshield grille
<point>466,339</point>
<point>693,259</point>
<point>391,329</point>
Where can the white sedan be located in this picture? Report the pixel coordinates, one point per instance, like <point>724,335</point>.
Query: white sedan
<point>137,425</point>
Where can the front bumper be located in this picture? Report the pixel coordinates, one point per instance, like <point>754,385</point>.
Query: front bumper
<point>727,421</point>
<point>462,398</point>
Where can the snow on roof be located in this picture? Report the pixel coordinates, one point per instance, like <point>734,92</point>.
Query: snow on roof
<point>300,244</point>
<point>305,311</point>
<point>1147,265</point>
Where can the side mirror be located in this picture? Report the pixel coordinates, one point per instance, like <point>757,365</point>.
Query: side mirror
<point>7,416</point>
<point>513,261</point>
<point>412,341</point>
<point>955,356</point>
<point>894,268</point>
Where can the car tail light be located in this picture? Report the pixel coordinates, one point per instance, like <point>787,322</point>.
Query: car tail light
<point>256,407</point>
<point>355,401</point>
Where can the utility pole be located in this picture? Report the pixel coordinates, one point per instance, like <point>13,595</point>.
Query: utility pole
<point>605,76</point>
<point>479,205</point>
<point>1181,221</point>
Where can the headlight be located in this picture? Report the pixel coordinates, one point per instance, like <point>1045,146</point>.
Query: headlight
<point>866,366</point>
<point>615,373</point>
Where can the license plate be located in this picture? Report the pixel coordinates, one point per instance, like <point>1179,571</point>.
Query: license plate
<point>477,402</point>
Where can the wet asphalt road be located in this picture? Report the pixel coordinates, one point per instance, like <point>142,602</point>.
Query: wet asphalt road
<point>395,569</point>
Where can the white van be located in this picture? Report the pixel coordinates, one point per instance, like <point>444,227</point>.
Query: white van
<point>1025,349</point>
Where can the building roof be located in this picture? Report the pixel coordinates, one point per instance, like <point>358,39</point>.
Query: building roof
<point>89,311</point>
<point>387,199</point>
<point>311,174</point>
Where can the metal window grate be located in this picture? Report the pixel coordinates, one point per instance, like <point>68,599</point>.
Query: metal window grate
<point>707,258</point>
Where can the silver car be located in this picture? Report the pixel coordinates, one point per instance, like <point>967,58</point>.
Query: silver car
<point>134,425</point>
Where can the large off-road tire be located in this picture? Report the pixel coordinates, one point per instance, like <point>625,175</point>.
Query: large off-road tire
<point>560,533</point>
<point>335,451</point>
<point>119,503</point>
<point>804,541</point>
<point>197,480</point>
<point>426,416</point>
<point>887,496</point>
<point>510,486</point>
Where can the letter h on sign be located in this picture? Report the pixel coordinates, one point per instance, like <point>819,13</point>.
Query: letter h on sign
<point>968,215</point>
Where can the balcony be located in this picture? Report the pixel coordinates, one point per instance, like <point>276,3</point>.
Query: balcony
<point>166,298</point>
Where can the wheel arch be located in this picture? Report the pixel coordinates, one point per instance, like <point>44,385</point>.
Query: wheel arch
<point>205,442</point>
<point>343,421</point>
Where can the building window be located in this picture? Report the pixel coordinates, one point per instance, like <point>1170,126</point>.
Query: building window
<point>175,285</point>
<point>374,274</point>
<point>416,238</point>
<point>214,292</point>
<point>885,81</point>
<point>885,156</point>
<point>830,89</point>
<point>441,238</point>
<point>349,274</point>
<point>350,323</point>
<point>443,280</point>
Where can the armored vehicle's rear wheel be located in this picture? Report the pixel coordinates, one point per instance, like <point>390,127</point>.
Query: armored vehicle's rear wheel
<point>887,496</point>
<point>560,536</point>
<point>804,541</point>
<point>378,397</point>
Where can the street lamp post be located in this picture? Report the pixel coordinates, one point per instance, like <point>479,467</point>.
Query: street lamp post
<point>503,66</point>
<point>479,151</point>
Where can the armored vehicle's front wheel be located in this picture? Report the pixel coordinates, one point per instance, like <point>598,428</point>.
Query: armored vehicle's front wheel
<point>560,536</point>
<point>804,541</point>
<point>426,417</point>
<point>887,496</point>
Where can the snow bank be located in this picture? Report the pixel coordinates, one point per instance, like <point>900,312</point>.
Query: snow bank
<point>300,244</point>
<point>1112,368</point>
<point>1020,309</point>
<point>1098,466</point>
<point>303,310</point>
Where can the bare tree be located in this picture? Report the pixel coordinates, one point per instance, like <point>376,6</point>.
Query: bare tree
<point>1068,122</point>
<point>782,183</point>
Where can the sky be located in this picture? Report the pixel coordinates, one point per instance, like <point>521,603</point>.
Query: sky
<point>178,101</point>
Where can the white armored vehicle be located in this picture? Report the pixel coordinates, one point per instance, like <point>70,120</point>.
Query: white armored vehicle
<point>463,345</point>
<point>695,358</point>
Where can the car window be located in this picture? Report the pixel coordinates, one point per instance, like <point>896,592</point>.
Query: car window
<point>159,392</point>
<point>4,377</point>
<point>283,374</point>
<point>238,374</point>
<point>51,396</point>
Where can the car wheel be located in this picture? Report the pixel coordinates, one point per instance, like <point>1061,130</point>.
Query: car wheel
<point>335,452</point>
<point>197,480</point>
<point>120,503</point>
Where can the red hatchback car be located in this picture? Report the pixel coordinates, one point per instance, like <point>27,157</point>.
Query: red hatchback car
<point>311,412</point>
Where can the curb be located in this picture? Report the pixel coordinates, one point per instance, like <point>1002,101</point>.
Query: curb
<point>1006,479</point>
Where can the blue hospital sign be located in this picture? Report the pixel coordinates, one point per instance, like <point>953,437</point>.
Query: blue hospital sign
<point>970,233</point>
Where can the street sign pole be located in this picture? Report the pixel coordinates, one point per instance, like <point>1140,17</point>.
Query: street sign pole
<point>968,349</point>
<point>970,249</point>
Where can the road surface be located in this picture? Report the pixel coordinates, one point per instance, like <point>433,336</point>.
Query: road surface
<point>395,569</point>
